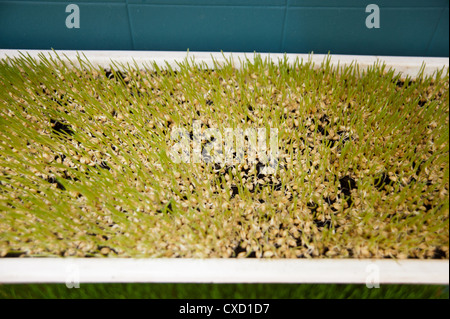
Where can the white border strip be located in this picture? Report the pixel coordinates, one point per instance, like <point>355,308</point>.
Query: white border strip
<point>408,66</point>
<point>161,270</point>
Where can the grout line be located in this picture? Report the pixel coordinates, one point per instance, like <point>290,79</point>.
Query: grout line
<point>283,29</point>
<point>130,27</point>
<point>434,31</point>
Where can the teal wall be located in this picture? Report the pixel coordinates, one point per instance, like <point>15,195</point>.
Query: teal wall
<point>407,27</point>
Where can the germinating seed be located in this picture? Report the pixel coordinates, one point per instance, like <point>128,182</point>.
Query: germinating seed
<point>362,166</point>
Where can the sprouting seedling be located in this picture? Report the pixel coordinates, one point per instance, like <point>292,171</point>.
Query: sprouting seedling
<point>106,143</point>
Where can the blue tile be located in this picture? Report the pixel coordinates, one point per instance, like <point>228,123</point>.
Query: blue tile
<point>207,28</point>
<point>365,3</point>
<point>413,27</point>
<point>260,3</point>
<point>67,2</point>
<point>403,31</point>
<point>41,25</point>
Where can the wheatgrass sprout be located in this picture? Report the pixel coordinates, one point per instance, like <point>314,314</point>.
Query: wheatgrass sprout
<point>86,169</point>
